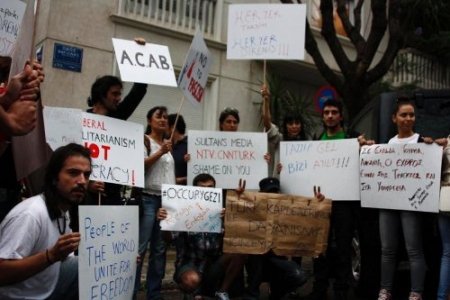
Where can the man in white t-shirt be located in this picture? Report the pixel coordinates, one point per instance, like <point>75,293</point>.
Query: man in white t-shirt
<point>36,243</point>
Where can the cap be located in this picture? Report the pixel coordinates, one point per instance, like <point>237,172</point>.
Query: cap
<point>269,185</point>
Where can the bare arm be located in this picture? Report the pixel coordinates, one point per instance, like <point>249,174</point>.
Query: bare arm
<point>16,270</point>
<point>266,115</point>
<point>165,147</point>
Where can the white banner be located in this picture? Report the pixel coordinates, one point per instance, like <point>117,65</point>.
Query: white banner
<point>228,157</point>
<point>266,31</point>
<point>108,251</point>
<point>194,74</point>
<point>117,149</point>
<point>62,126</point>
<point>145,64</point>
<point>401,176</point>
<point>332,165</point>
<point>191,208</point>
<point>11,15</point>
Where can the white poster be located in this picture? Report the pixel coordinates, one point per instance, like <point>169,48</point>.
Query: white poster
<point>228,157</point>
<point>62,126</point>
<point>11,15</point>
<point>332,165</point>
<point>405,177</point>
<point>117,149</point>
<point>266,31</point>
<point>190,208</point>
<point>149,64</point>
<point>108,251</point>
<point>194,74</point>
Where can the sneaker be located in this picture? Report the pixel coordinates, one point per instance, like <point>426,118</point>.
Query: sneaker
<point>415,296</point>
<point>222,296</point>
<point>384,294</point>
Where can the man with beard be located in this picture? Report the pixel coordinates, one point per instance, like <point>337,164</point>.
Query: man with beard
<point>347,218</point>
<point>36,244</point>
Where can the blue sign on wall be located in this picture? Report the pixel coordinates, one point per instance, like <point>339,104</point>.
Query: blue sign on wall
<point>67,57</point>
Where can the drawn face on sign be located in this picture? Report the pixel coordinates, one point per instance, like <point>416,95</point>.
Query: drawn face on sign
<point>73,179</point>
<point>113,97</point>
<point>405,118</point>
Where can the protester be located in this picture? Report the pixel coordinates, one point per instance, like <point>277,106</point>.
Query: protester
<point>201,268</point>
<point>179,148</point>
<point>444,228</point>
<point>36,244</point>
<point>393,221</point>
<point>345,220</point>
<point>18,108</point>
<point>105,99</point>
<point>292,130</point>
<point>159,169</point>
<point>229,119</point>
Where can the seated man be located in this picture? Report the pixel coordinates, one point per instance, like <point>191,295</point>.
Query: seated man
<point>36,244</point>
<point>200,267</point>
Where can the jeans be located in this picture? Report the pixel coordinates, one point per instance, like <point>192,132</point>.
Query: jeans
<point>444,278</point>
<point>150,232</point>
<point>67,285</point>
<point>391,223</point>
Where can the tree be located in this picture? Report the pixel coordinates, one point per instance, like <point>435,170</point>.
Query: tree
<point>358,74</point>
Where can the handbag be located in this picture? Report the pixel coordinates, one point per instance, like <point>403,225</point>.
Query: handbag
<point>444,201</point>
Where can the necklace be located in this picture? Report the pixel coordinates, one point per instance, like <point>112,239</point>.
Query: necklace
<point>63,229</point>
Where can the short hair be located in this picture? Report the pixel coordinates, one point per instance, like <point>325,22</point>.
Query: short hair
<point>229,111</point>
<point>292,117</point>
<point>181,125</point>
<point>150,113</point>
<point>100,88</point>
<point>54,167</point>
<point>334,103</point>
<point>203,177</point>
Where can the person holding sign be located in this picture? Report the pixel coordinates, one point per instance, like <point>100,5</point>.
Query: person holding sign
<point>36,244</point>
<point>179,149</point>
<point>393,221</point>
<point>201,268</point>
<point>292,129</point>
<point>159,169</point>
<point>345,220</point>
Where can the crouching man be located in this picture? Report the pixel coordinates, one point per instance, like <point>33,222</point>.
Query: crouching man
<point>36,243</point>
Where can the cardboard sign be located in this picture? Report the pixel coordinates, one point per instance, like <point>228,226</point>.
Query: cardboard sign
<point>401,176</point>
<point>191,208</point>
<point>145,64</point>
<point>289,225</point>
<point>108,251</point>
<point>11,15</point>
<point>194,74</point>
<point>228,156</point>
<point>332,165</point>
<point>266,31</point>
<point>117,149</point>
<point>62,126</point>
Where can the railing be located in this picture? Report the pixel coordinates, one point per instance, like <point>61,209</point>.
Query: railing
<point>413,67</point>
<point>178,15</point>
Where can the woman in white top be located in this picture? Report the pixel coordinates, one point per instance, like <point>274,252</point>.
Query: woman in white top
<point>159,169</point>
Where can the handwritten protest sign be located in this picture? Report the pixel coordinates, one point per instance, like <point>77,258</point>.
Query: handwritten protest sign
<point>190,208</point>
<point>405,177</point>
<point>117,149</point>
<point>228,156</point>
<point>108,251</point>
<point>62,126</point>
<point>11,15</point>
<point>289,225</point>
<point>332,165</point>
<point>259,31</point>
<point>194,74</point>
<point>145,64</point>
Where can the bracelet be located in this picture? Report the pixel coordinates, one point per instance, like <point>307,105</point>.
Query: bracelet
<point>50,262</point>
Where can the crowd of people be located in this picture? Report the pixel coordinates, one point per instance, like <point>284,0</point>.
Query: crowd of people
<point>38,236</point>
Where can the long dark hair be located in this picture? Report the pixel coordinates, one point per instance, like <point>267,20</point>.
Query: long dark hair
<point>100,88</point>
<point>150,113</point>
<point>54,167</point>
<point>289,118</point>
